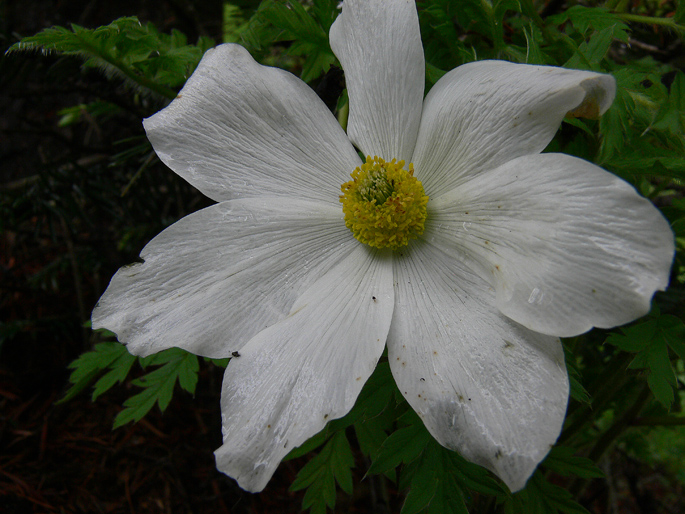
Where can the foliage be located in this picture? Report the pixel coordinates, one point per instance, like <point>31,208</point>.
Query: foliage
<point>112,359</point>
<point>616,376</point>
<point>140,55</point>
<point>650,340</point>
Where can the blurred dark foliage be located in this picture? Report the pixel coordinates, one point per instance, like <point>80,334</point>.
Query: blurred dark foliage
<point>77,202</point>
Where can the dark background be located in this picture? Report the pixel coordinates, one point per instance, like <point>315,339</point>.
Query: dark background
<point>65,229</point>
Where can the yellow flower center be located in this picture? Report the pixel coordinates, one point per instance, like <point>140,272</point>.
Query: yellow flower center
<point>384,204</point>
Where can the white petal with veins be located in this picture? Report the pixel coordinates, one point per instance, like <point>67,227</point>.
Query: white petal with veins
<point>379,45</point>
<point>217,277</point>
<point>566,245</point>
<point>482,114</point>
<point>295,376</point>
<point>240,129</point>
<point>482,384</point>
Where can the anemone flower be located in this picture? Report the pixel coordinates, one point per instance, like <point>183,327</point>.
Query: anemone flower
<point>458,244</point>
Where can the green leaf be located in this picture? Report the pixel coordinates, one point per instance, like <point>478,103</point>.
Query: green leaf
<point>673,331</point>
<point>555,498</point>
<point>433,74</point>
<point>233,23</point>
<point>615,123</point>
<point>424,485</point>
<point>661,379</point>
<point>437,482</point>
<point>119,370</point>
<point>306,28</point>
<point>333,464</point>
<point>561,460</point>
<point>370,434</point>
<point>592,52</point>
<point>77,113</point>
<point>109,355</point>
<point>542,497</point>
<point>158,386</point>
<point>650,340</point>
<point>534,54</point>
<point>442,45</point>
<point>635,338</point>
<point>436,475</point>
<point>403,446</point>
<point>221,363</point>
<point>125,49</point>
<point>592,18</point>
<point>671,116</point>
<point>578,392</point>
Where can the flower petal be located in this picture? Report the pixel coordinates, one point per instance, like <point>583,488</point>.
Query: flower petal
<point>242,129</point>
<point>566,245</point>
<point>378,43</point>
<point>483,114</point>
<point>295,376</point>
<point>482,384</point>
<point>216,278</point>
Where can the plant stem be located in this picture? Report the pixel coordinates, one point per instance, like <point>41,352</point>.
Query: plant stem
<point>650,20</point>
<point>135,77</point>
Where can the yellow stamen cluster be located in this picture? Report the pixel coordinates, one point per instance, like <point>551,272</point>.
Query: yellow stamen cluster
<point>384,204</point>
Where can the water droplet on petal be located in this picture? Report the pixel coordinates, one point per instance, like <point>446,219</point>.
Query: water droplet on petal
<point>535,296</point>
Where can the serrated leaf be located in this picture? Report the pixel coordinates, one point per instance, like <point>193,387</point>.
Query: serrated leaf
<point>376,395</point>
<point>592,52</point>
<point>577,391</point>
<point>555,497</point>
<point>534,54</point>
<point>595,18</point>
<point>662,379</point>
<point>473,476</point>
<point>158,385</point>
<point>423,488</point>
<point>650,341</point>
<point>221,363</point>
<point>370,435</point>
<point>233,24</point>
<point>108,355</point>
<point>443,37</point>
<point>634,339</point>
<point>542,497</point>
<point>561,460</point>
<point>143,58</point>
<point>291,21</point>
<point>319,476</point>
<point>434,484</point>
<point>674,334</point>
<point>671,116</point>
<point>403,446</point>
<point>343,462</point>
<point>119,370</point>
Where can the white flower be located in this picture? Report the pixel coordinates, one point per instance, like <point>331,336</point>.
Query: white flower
<point>519,247</point>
